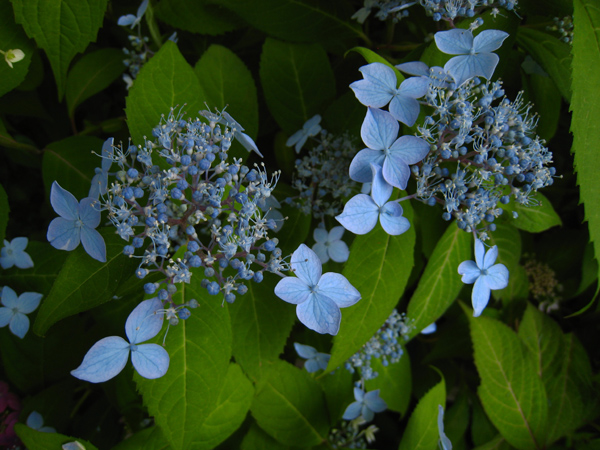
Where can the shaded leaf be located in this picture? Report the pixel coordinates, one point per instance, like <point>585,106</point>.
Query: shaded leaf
<point>394,381</point>
<point>199,16</point>
<point>147,439</point>
<point>533,219</point>
<point>46,441</point>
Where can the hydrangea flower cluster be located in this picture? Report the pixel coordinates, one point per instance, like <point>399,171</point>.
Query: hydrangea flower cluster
<point>319,176</point>
<point>385,345</point>
<point>437,9</point>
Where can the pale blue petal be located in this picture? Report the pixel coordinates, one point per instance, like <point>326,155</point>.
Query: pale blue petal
<point>295,138</point>
<point>89,215</point>
<point>480,296</point>
<point>247,142</point>
<point>143,322</point>
<point>479,253</point>
<point>395,170</point>
<point>320,314</point>
<point>360,214</point>
<point>381,190</point>
<point>321,251</point>
<point>322,360</point>
<point>19,244</point>
<point>104,360</point>
<point>336,233</point>
<point>337,288</point>
<point>19,325</point>
<point>35,420</point>
<point>490,257</point>
<point>126,20</point>
<point>63,234</point>
<point>107,154</point>
<point>64,203</point>
<point>469,271</point>
<point>405,109</point>
<point>369,94</point>
<point>414,68</point>
<point>5,315</point>
<point>488,41</point>
<point>305,351</point>
<point>352,411</point>
<point>454,42</point>
<point>366,413</point>
<point>360,167</point>
<point>379,130</point>
<point>320,235</point>
<point>292,290</point>
<point>429,329</point>
<point>311,127</point>
<point>150,360</point>
<point>22,260</point>
<point>339,251</point>
<point>142,8</point>
<point>497,277</point>
<point>359,394</point>
<point>98,185</point>
<point>311,365</point>
<point>9,298</point>
<point>306,265</point>
<point>465,67</point>
<point>444,441</point>
<point>374,402</point>
<point>414,87</point>
<point>28,302</point>
<point>410,148</point>
<point>392,221</point>
<point>93,244</point>
<point>380,75</point>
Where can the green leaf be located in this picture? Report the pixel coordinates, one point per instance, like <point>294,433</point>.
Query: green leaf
<point>585,107</point>
<point>546,100</point>
<point>508,240</point>
<point>379,267</point>
<point>422,429</point>
<point>289,405</point>
<point>4,211</point>
<point>198,16</point>
<point>257,439</point>
<point>498,443</point>
<point>337,387</point>
<point>261,324</point>
<point>166,81</point>
<point>92,74</point>
<point>394,381</point>
<point>227,82</point>
<point>440,282</point>
<point>511,390</point>
<point>46,441</point>
<point>230,410</point>
<point>550,53</point>
<point>533,219</point>
<point>371,57</point>
<point>12,37</point>
<point>296,21</point>
<point>297,81</point>
<point>295,229</point>
<point>184,399</point>
<point>62,29</point>
<point>147,439</point>
<point>72,164</point>
<point>84,283</point>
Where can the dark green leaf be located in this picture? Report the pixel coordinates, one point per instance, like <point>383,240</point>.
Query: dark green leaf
<point>550,53</point>
<point>534,219</point>
<point>440,283</point>
<point>84,283</point>
<point>289,405</point>
<point>198,16</point>
<point>337,387</point>
<point>379,267</point>
<point>395,382</point>
<point>345,114</point>
<point>91,74</point>
<point>546,101</point>
<point>183,400</point>
<point>261,324</point>
<point>166,81</point>
<point>297,81</point>
<point>39,440</point>
<point>422,430</point>
<point>227,82</point>
<point>12,37</point>
<point>508,240</point>
<point>511,390</point>
<point>585,106</point>
<point>257,439</point>
<point>148,439</point>
<point>62,29</point>
<point>71,163</point>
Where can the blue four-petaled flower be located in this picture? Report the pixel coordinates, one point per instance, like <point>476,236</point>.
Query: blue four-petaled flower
<point>310,128</point>
<point>485,274</point>
<point>314,360</point>
<point>318,296</point>
<point>379,132</point>
<point>13,254</point>
<point>475,54</point>
<point>99,183</point>
<point>14,310</point>
<point>362,211</point>
<point>366,405</point>
<point>108,356</point>
<point>379,88</point>
<point>329,245</point>
<point>77,223</point>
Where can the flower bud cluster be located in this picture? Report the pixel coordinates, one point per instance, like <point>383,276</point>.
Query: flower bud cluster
<point>385,345</point>
<point>183,191</point>
<point>135,57</point>
<point>321,176</point>
<point>564,27</point>
<point>484,153</point>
